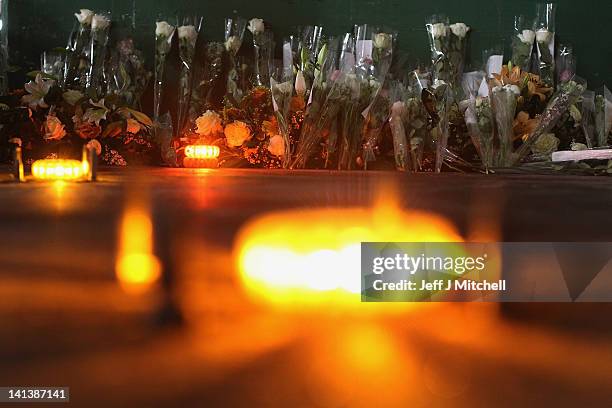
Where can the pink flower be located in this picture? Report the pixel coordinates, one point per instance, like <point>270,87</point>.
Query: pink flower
<point>54,129</point>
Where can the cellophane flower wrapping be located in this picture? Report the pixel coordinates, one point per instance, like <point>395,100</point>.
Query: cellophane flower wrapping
<point>324,103</point>
<point>561,101</point>
<point>398,112</point>
<point>443,99</point>
<point>309,47</point>
<point>76,64</point>
<point>447,44</point>
<point>188,36</point>
<point>545,40</point>
<point>603,117</point>
<point>565,64</point>
<point>523,39</point>
<point>479,119</point>
<point>282,92</point>
<point>263,47</point>
<point>504,99</point>
<point>163,35</point>
<point>234,37</point>
<point>100,27</point>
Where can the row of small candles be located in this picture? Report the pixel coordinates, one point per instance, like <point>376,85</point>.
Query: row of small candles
<point>196,156</point>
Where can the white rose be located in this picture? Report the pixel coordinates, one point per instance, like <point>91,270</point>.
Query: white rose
<point>383,40</point>
<point>459,29</point>
<point>163,29</point>
<point>544,36</point>
<point>99,22</point>
<point>438,83</point>
<point>300,83</point>
<point>188,33</point>
<point>438,30</point>
<point>84,16</point>
<point>209,124</point>
<point>277,145</point>
<point>233,44</point>
<point>527,36</point>
<point>256,26</point>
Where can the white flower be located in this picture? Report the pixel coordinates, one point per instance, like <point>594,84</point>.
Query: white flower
<point>527,36</point>
<point>233,44</point>
<point>209,124</point>
<point>37,89</point>
<point>54,128</point>
<point>99,22</point>
<point>438,30</point>
<point>84,16</point>
<point>438,83</point>
<point>544,36</point>
<point>459,29</point>
<point>383,40</point>
<point>188,33</point>
<point>300,83</point>
<point>163,29</point>
<point>72,96</point>
<point>97,113</point>
<point>276,145</point>
<point>256,26</point>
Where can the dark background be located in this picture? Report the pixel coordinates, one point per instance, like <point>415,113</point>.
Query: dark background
<point>36,25</point>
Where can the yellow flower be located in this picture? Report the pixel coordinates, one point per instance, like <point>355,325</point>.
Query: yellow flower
<point>237,133</point>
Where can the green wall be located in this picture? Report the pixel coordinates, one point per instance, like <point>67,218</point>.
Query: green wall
<point>36,25</point>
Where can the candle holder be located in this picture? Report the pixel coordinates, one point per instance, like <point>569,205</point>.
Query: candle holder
<point>66,169</point>
<point>201,156</point>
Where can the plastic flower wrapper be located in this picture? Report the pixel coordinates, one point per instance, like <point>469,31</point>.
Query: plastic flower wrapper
<point>438,100</point>
<point>603,116</point>
<point>503,100</point>
<point>163,35</point>
<point>188,34</point>
<point>522,42</point>
<point>100,27</point>
<point>479,119</point>
<point>545,39</point>
<point>324,103</point>
<point>567,95</point>
<point>587,112</point>
<point>376,116</point>
<point>447,43</point>
<point>76,49</point>
<point>262,47</point>
<point>565,64</point>
<point>416,119</point>
<point>281,86</point>
<point>234,36</point>
<point>309,47</point>
<point>398,112</point>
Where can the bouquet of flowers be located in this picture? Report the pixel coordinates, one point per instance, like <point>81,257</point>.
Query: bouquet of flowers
<point>234,35</point>
<point>163,35</point>
<point>545,38</point>
<point>565,64</point>
<point>479,120</point>
<point>566,96</point>
<point>504,100</point>
<point>188,35</point>
<point>281,87</point>
<point>309,48</point>
<point>263,45</point>
<point>522,42</point>
<point>76,63</point>
<point>447,44</point>
<point>603,116</point>
<point>100,25</point>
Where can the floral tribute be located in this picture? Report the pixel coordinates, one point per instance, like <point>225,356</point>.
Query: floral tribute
<point>347,102</point>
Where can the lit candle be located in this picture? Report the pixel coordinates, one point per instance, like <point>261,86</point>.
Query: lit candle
<point>201,156</point>
<point>59,169</point>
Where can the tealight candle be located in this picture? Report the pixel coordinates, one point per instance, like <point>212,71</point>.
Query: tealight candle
<point>201,156</point>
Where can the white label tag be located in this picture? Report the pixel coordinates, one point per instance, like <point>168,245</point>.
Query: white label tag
<point>494,64</point>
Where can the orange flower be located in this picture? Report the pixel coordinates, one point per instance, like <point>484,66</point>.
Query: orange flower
<point>510,77</point>
<point>536,87</point>
<point>523,125</point>
<point>270,127</point>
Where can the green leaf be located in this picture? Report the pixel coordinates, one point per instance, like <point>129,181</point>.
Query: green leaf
<point>33,74</point>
